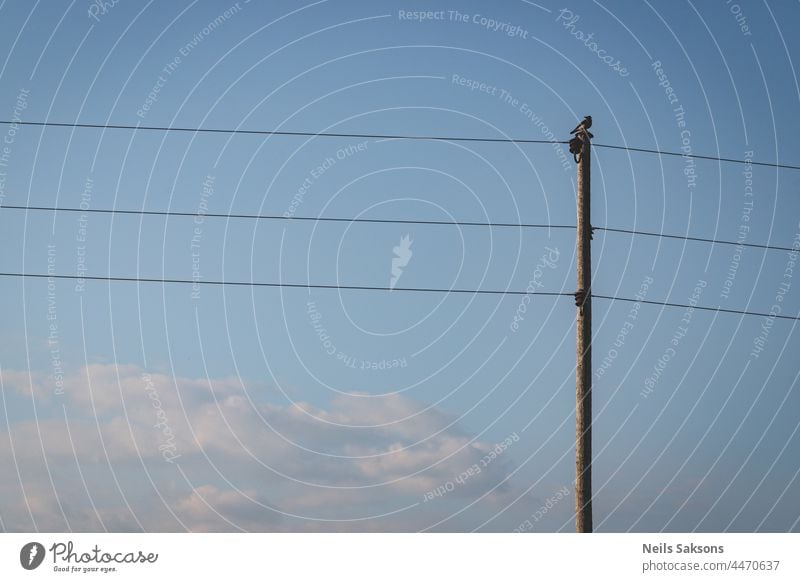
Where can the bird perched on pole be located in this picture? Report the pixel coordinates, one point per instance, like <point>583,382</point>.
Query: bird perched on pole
<point>583,125</point>
<point>582,134</point>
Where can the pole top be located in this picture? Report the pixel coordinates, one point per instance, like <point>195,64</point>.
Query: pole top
<point>581,139</point>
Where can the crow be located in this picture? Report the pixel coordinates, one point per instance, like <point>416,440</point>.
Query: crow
<point>583,125</point>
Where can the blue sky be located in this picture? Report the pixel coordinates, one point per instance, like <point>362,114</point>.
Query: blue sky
<point>163,407</point>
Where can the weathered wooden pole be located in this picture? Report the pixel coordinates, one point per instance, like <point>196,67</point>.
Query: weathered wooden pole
<point>583,301</point>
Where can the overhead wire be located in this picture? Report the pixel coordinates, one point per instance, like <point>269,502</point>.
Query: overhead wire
<point>491,224</point>
<point>387,289</point>
<point>388,136</point>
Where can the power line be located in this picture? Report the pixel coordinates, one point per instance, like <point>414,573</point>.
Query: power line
<point>696,156</point>
<point>388,221</point>
<point>281,217</point>
<point>700,307</point>
<point>277,132</point>
<point>384,136</point>
<point>390,289</point>
<point>695,238</point>
<point>287,285</point>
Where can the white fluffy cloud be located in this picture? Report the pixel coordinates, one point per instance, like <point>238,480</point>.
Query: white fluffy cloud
<point>123,449</point>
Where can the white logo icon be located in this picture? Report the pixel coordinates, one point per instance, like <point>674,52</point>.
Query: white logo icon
<point>402,256</point>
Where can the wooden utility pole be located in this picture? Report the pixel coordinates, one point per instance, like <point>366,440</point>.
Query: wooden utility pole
<point>581,148</point>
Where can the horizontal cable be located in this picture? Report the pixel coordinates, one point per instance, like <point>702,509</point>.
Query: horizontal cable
<point>288,285</point>
<point>694,238</point>
<point>390,289</point>
<point>280,217</point>
<point>386,136</point>
<point>696,156</point>
<point>388,221</point>
<point>700,307</point>
<point>279,132</point>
